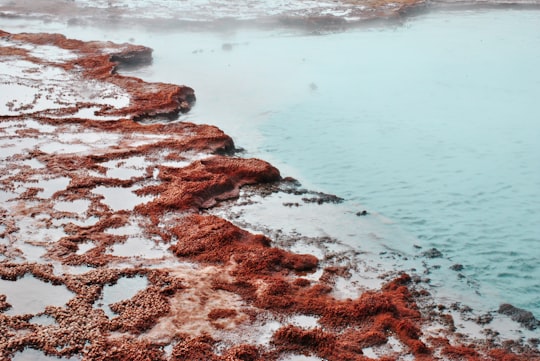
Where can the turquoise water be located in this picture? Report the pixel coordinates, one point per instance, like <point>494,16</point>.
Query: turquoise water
<point>432,123</point>
<point>436,125</point>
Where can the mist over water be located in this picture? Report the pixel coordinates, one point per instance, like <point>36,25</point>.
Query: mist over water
<point>431,124</point>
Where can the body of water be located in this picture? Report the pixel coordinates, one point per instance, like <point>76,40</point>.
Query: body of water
<point>435,125</point>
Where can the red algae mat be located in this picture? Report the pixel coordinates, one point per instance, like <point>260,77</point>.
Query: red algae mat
<point>100,185</point>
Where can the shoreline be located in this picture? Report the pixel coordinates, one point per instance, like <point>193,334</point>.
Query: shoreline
<point>184,191</point>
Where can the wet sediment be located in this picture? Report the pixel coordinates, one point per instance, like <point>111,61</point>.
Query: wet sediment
<point>214,291</point>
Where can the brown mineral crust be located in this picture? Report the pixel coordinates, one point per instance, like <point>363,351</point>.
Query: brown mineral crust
<point>327,345</point>
<point>259,278</point>
<point>14,271</point>
<point>198,348</point>
<point>293,338</point>
<point>139,313</point>
<point>505,355</point>
<point>64,251</point>
<point>4,305</point>
<point>9,327</point>
<point>218,313</point>
<point>99,61</point>
<point>76,325</point>
<point>458,352</point>
<point>214,240</point>
<point>243,353</point>
<point>65,248</point>
<point>391,309</point>
<point>331,273</point>
<point>473,352</point>
<point>375,313</point>
<point>204,182</point>
<point>121,349</point>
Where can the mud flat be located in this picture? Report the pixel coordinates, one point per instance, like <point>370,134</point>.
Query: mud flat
<point>126,234</point>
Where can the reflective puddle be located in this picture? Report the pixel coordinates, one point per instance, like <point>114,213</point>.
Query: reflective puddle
<point>29,295</point>
<point>124,289</point>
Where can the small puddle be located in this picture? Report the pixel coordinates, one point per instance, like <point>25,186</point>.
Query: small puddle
<point>368,352</point>
<point>140,247</point>
<point>29,295</point>
<point>85,247</point>
<point>125,173</point>
<point>89,221</point>
<point>6,196</point>
<point>63,148</point>
<point>29,354</point>
<point>89,113</point>
<point>190,157</point>
<point>35,230</point>
<point>51,186</point>
<point>124,289</point>
<point>17,146</point>
<point>42,320</point>
<point>127,168</point>
<point>89,138</point>
<point>305,321</point>
<point>33,163</point>
<point>118,198</point>
<point>43,128</point>
<point>128,230</point>
<point>60,270</point>
<point>31,252</point>
<point>77,206</point>
<point>51,53</point>
<point>266,331</point>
